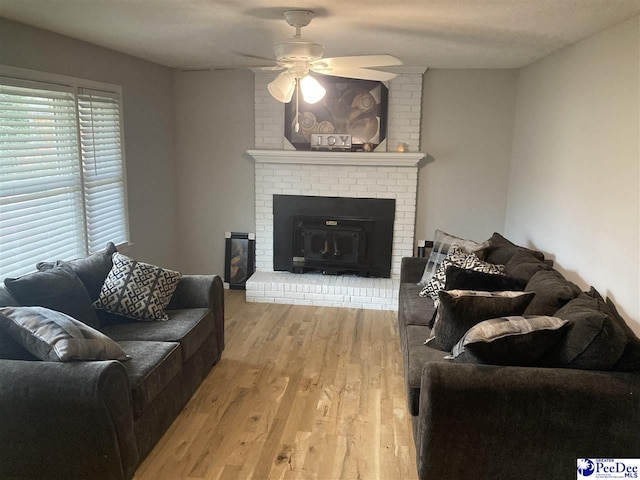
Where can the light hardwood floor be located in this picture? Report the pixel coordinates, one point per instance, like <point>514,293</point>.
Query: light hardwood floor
<point>300,392</point>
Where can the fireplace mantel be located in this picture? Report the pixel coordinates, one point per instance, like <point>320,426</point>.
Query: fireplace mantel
<point>369,159</point>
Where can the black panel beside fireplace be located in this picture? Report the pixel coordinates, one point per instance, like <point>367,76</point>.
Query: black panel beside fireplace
<point>333,235</point>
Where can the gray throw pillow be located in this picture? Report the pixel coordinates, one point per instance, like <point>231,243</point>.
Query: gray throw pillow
<point>91,270</point>
<point>514,340</point>
<point>442,243</point>
<point>57,288</point>
<point>137,290</point>
<point>630,359</point>
<point>552,290</point>
<point>523,266</point>
<point>56,337</point>
<point>593,341</point>
<point>501,250</point>
<point>459,310</point>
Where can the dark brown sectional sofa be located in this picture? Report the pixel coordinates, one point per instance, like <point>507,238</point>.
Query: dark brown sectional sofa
<point>100,419</point>
<point>478,421</point>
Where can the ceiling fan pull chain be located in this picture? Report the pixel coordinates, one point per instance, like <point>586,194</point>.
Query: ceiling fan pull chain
<point>297,127</point>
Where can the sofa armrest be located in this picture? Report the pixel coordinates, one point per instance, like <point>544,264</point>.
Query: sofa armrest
<point>480,421</point>
<point>202,291</point>
<point>66,420</point>
<point>412,268</point>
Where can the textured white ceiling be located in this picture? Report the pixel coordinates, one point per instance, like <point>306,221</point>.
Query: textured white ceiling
<point>433,33</point>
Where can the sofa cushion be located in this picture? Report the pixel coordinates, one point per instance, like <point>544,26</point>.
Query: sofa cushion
<point>515,340</point>
<point>137,290</point>
<point>457,258</point>
<point>459,310</point>
<point>189,327</point>
<point>152,366</point>
<point>442,243</point>
<point>57,288</point>
<point>552,291</point>
<point>56,337</point>
<point>593,340</point>
<point>416,310</point>
<point>91,270</point>
<point>466,279</point>
<point>501,250</point>
<point>630,359</point>
<point>417,355</point>
<point>523,266</point>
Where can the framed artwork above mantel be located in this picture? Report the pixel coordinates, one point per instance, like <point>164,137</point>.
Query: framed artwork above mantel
<point>352,106</point>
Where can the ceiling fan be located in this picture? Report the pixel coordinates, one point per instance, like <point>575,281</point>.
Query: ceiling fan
<point>297,57</point>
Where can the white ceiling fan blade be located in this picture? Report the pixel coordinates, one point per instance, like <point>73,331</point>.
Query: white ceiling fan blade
<point>358,61</point>
<point>253,57</point>
<point>274,68</point>
<point>359,73</point>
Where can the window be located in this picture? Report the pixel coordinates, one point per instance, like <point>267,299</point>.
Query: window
<point>62,183</point>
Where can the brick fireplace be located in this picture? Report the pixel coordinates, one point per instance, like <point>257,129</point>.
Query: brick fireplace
<point>332,174</point>
<point>281,170</point>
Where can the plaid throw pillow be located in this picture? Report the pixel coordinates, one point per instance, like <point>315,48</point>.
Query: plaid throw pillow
<point>457,258</point>
<point>442,243</point>
<point>512,340</point>
<point>137,290</point>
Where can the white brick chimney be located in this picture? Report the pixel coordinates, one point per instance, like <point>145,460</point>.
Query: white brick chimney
<point>380,174</point>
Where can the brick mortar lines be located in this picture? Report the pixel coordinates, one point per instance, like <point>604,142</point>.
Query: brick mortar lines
<point>271,178</point>
<point>403,125</point>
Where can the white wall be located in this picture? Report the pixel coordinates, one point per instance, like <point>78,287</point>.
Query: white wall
<point>574,182</point>
<point>467,125</point>
<point>214,176</point>
<point>147,91</point>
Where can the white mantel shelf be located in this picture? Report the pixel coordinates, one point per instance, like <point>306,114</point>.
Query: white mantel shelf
<point>377,159</point>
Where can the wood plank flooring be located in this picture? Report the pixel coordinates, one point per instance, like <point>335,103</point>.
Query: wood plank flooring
<point>300,393</point>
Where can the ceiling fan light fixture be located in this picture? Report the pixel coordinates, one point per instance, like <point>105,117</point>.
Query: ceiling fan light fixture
<point>282,87</point>
<point>312,91</point>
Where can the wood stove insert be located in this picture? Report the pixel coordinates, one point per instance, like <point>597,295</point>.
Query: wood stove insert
<point>333,235</point>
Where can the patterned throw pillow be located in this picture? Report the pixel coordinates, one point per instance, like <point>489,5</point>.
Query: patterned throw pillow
<point>137,290</point>
<point>442,243</point>
<point>457,258</point>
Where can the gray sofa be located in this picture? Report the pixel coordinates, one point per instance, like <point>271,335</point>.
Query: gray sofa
<point>475,421</point>
<point>100,419</point>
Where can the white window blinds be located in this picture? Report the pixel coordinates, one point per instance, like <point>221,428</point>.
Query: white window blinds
<point>40,184</point>
<point>102,167</point>
<point>62,190</point>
